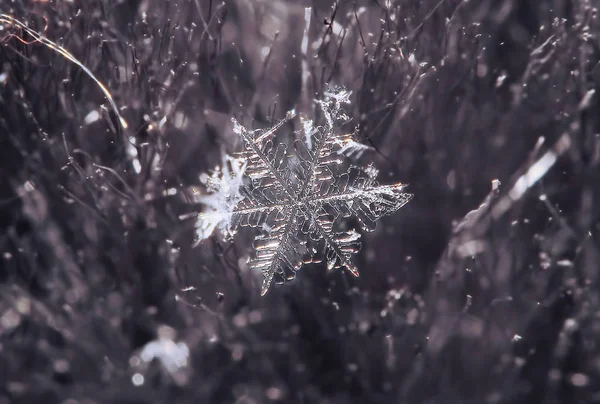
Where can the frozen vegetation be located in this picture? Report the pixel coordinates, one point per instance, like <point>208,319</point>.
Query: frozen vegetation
<point>137,137</point>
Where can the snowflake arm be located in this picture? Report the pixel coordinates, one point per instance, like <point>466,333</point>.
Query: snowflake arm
<point>279,252</point>
<point>267,163</point>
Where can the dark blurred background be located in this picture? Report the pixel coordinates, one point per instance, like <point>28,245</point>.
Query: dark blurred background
<point>478,291</point>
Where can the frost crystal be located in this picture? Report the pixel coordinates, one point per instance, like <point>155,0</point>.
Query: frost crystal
<point>297,198</point>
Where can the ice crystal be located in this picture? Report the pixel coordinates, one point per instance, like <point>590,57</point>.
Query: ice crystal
<point>224,187</point>
<point>296,199</point>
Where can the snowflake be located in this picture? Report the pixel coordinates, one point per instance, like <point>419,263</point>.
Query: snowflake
<point>296,199</point>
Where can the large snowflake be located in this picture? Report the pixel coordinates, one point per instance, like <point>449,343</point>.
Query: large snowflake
<point>296,199</point>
